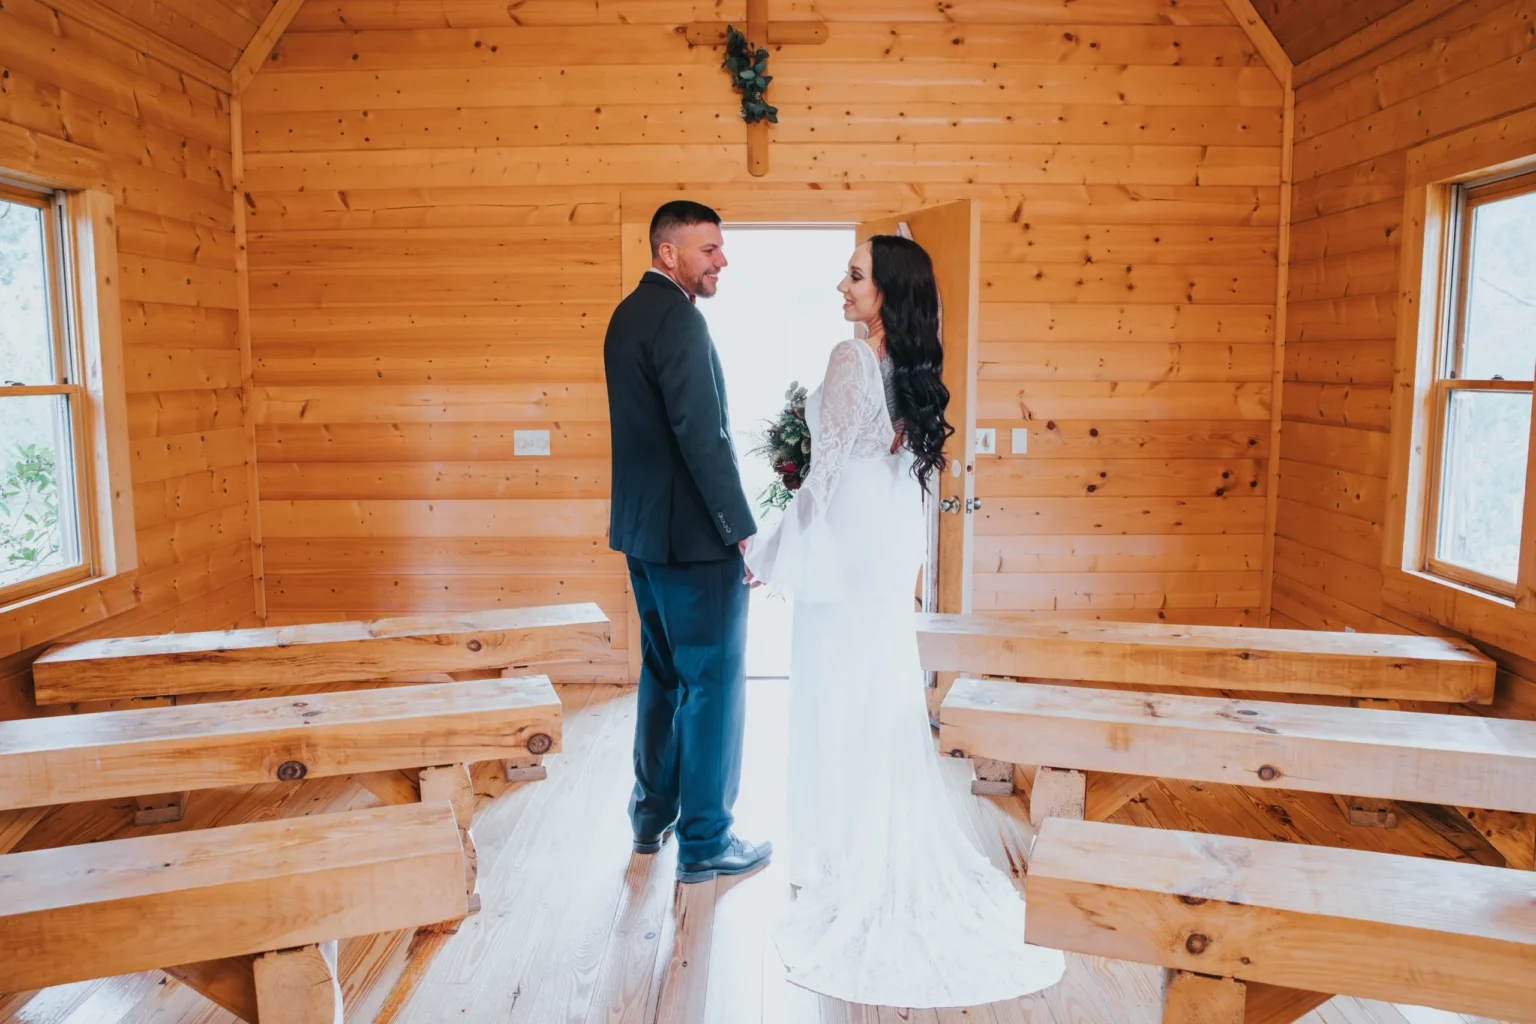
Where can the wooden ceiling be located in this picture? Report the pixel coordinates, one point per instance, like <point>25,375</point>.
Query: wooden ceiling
<point>216,30</point>
<point>1306,28</point>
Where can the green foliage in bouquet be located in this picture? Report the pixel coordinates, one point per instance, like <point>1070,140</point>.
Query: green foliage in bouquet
<point>787,444</point>
<point>749,73</point>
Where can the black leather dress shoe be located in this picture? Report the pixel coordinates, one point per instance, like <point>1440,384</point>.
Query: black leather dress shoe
<point>739,858</point>
<point>652,844</point>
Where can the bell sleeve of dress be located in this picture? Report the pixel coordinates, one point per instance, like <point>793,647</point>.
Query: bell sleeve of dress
<point>797,554</point>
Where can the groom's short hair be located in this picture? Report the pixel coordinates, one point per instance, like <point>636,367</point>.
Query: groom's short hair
<point>680,213</point>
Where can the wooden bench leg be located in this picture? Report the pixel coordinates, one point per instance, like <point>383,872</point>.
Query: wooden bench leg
<point>1512,833</point>
<point>1201,999</point>
<point>1057,793</point>
<point>229,982</point>
<point>393,786</point>
<point>1275,1004</point>
<point>993,778</point>
<point>160,808</point>
<point>1110,791</point>
<point>524,769</point>
<point>1367,812</point>
<point>451,782</point>
<point>298,986</point>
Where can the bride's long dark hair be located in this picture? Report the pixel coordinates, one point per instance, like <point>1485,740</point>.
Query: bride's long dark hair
<point>909,312</point>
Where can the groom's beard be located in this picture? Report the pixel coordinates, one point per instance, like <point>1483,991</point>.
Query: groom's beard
<point>705,286</point>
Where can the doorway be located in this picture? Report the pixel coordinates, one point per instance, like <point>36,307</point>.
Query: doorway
<point>774,321</point>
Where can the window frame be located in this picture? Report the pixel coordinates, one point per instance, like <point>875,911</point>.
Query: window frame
<point>1450,375</point>
<point>68,362</point>
<point>1446,181</point>
<point>81,178</point>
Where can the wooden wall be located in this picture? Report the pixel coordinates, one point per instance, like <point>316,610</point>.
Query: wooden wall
<point>1353,128</point>
<point>167,138</point>
<point>434,196</point>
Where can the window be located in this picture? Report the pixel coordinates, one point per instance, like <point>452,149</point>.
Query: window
<point>1483,385</point>
<point>44,539</point>
<point>67,542</point>
<point>1459,544</point>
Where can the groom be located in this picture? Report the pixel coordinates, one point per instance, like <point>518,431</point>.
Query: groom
<point>680,516</point>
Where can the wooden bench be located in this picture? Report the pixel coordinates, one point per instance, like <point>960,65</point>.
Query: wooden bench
<point>1395,755</point>
<point>312,655</point>
<point>1209,657</point>
<point>159,755</point>
<point>71,758</point>
<point>1459,760</point>
<point>1364,667</point>
<point>1285,922</point>
<point>252,910</point>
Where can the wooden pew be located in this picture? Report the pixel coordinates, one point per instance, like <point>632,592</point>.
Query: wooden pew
<point>1307,919</point>
<point>1209,657</point>
<point>73,758</point>
<point>1459,760</point>
<point>311,655</point>
<point>279,889</point>
<point>1363,667</point>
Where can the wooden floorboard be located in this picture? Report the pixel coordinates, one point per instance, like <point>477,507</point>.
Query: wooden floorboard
<point>576,929</point>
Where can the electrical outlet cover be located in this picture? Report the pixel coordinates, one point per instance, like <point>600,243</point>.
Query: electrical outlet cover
<point>1020,440</point>
<point>530,442</point>
<point>986,441</point>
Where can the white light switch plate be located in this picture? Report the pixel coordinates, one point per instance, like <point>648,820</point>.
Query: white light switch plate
<point>530,442</point>
<point>986,441</point>
<point>1020,440</point>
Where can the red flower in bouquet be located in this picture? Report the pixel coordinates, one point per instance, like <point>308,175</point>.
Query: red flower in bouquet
<point>787,444</point>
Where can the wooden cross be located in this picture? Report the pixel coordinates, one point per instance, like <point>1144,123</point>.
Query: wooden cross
<point>760,32</point>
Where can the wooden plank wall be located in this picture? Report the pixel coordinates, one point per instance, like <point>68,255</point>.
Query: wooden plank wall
<point>434,211</point>
<point>1353,128</point>
<point>167,139</point>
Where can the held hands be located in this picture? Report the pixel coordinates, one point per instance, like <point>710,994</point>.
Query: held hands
<point>748,579</point>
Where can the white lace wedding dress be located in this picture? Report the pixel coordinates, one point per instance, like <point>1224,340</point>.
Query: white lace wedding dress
<point>897,905</point>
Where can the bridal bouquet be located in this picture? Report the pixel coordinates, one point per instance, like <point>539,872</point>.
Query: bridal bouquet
<point>787,444</point>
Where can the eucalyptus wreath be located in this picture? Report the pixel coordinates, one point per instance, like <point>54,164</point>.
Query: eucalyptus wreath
<point>749,74</point>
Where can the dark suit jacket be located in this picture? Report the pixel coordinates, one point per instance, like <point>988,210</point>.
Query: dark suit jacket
<point>676,493</point>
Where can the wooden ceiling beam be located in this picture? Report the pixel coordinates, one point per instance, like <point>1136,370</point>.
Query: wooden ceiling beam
<point>110,23</point>
<point>263,42</point>
<point>1263,39</point>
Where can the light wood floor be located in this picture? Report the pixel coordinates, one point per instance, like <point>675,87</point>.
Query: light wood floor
<point>576,929</point>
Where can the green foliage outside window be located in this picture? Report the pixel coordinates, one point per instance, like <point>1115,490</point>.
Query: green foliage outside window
<point>29,509</point>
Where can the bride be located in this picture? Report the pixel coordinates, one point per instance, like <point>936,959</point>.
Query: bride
<point>895,905</point>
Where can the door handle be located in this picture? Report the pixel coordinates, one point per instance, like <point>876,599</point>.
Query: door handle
<point>949,505</point>
<point>972,505</point>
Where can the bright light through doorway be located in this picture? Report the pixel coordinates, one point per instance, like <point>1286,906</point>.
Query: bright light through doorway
<point>775,319</point>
